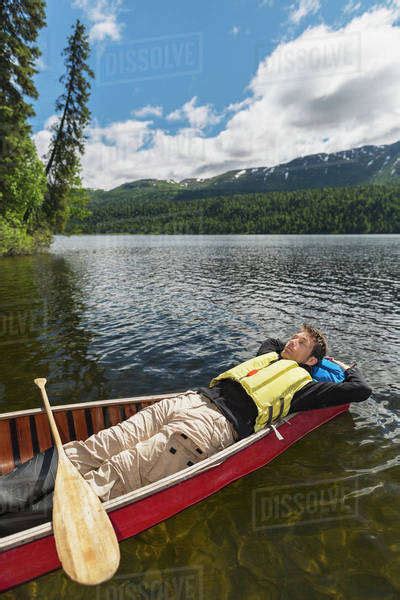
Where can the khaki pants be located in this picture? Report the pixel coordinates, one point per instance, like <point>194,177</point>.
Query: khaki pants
<point>158,441</point>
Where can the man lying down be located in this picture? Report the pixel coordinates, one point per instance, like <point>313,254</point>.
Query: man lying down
<point>177,432</point>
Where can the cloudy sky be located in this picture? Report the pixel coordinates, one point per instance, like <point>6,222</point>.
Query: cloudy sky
<point>193,89</point>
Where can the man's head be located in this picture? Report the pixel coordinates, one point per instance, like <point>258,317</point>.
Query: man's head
<point>307,346</point>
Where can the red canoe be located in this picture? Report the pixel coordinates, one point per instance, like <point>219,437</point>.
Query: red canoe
<point>31,552</point>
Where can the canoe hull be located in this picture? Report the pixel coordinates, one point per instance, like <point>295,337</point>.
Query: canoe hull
<point>28,561</point>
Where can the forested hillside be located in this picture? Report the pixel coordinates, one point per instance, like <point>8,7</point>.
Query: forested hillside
<point>361,209</point>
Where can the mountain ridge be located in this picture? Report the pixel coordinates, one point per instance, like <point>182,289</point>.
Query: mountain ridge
<point>363,165</point>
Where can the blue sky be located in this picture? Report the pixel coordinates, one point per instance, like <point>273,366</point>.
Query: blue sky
<point>188,89</point>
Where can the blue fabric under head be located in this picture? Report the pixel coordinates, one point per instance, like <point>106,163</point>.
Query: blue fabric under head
<point>326,370</point>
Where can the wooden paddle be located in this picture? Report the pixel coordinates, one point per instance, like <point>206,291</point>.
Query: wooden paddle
<point>85,538</point>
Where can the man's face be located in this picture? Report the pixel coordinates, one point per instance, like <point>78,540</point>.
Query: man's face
<point>299,348</point>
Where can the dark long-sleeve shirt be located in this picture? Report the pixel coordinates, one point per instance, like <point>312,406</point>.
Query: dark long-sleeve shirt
<point>241,411</point>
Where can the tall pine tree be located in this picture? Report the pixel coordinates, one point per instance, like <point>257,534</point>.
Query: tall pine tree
<point>67,145</point>
<point>20,22</point>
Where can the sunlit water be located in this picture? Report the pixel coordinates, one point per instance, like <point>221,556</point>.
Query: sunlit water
<point>114,316</point>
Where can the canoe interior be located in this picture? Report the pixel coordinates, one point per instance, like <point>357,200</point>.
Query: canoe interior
<point>24,435</point>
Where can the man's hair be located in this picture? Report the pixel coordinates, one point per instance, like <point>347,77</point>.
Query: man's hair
<point>320,342</point>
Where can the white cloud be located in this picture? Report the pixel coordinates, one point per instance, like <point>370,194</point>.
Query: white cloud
<point>235,30</point>
<point>132,133</point>
<point>42,138</point>
<point>326,90</point>
<point>236,106</point>
<point>302,9</point>
<point>199,117</point>
<point>148,111</point>
<point>351,7</point>
<point>40,64</point>
<point>105,29</point>
<point>103,16</point>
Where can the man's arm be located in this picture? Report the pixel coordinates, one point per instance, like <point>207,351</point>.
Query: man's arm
<point>321,395</point>
<point>271,345</point>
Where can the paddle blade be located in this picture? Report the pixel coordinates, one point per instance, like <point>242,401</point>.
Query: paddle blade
<point>85,538</point>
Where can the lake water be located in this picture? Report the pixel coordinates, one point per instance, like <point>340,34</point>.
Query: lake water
<point>114,316</point>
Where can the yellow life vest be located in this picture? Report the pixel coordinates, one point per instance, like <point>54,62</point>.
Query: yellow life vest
<point>271,382</point>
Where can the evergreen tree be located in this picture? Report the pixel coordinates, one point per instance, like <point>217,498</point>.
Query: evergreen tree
<point>67,145</point>
<point>20,22</point>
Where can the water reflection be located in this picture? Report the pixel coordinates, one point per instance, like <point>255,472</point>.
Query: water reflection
<point>41,307</point>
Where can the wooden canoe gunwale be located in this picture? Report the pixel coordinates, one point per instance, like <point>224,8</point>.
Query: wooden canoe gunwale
<point>24,433</point>
<point>114,401</point>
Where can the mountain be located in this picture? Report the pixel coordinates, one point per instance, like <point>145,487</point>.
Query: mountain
<point>368,164</point>
<point>360,166</point>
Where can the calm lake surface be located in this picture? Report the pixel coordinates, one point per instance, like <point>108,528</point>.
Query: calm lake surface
<point>113,316</point>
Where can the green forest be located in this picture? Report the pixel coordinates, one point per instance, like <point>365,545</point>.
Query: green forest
<point>361,209</point>
<point>37,197</point>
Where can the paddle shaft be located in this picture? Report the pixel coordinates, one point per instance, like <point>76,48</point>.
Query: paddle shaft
<point>41,385</point>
